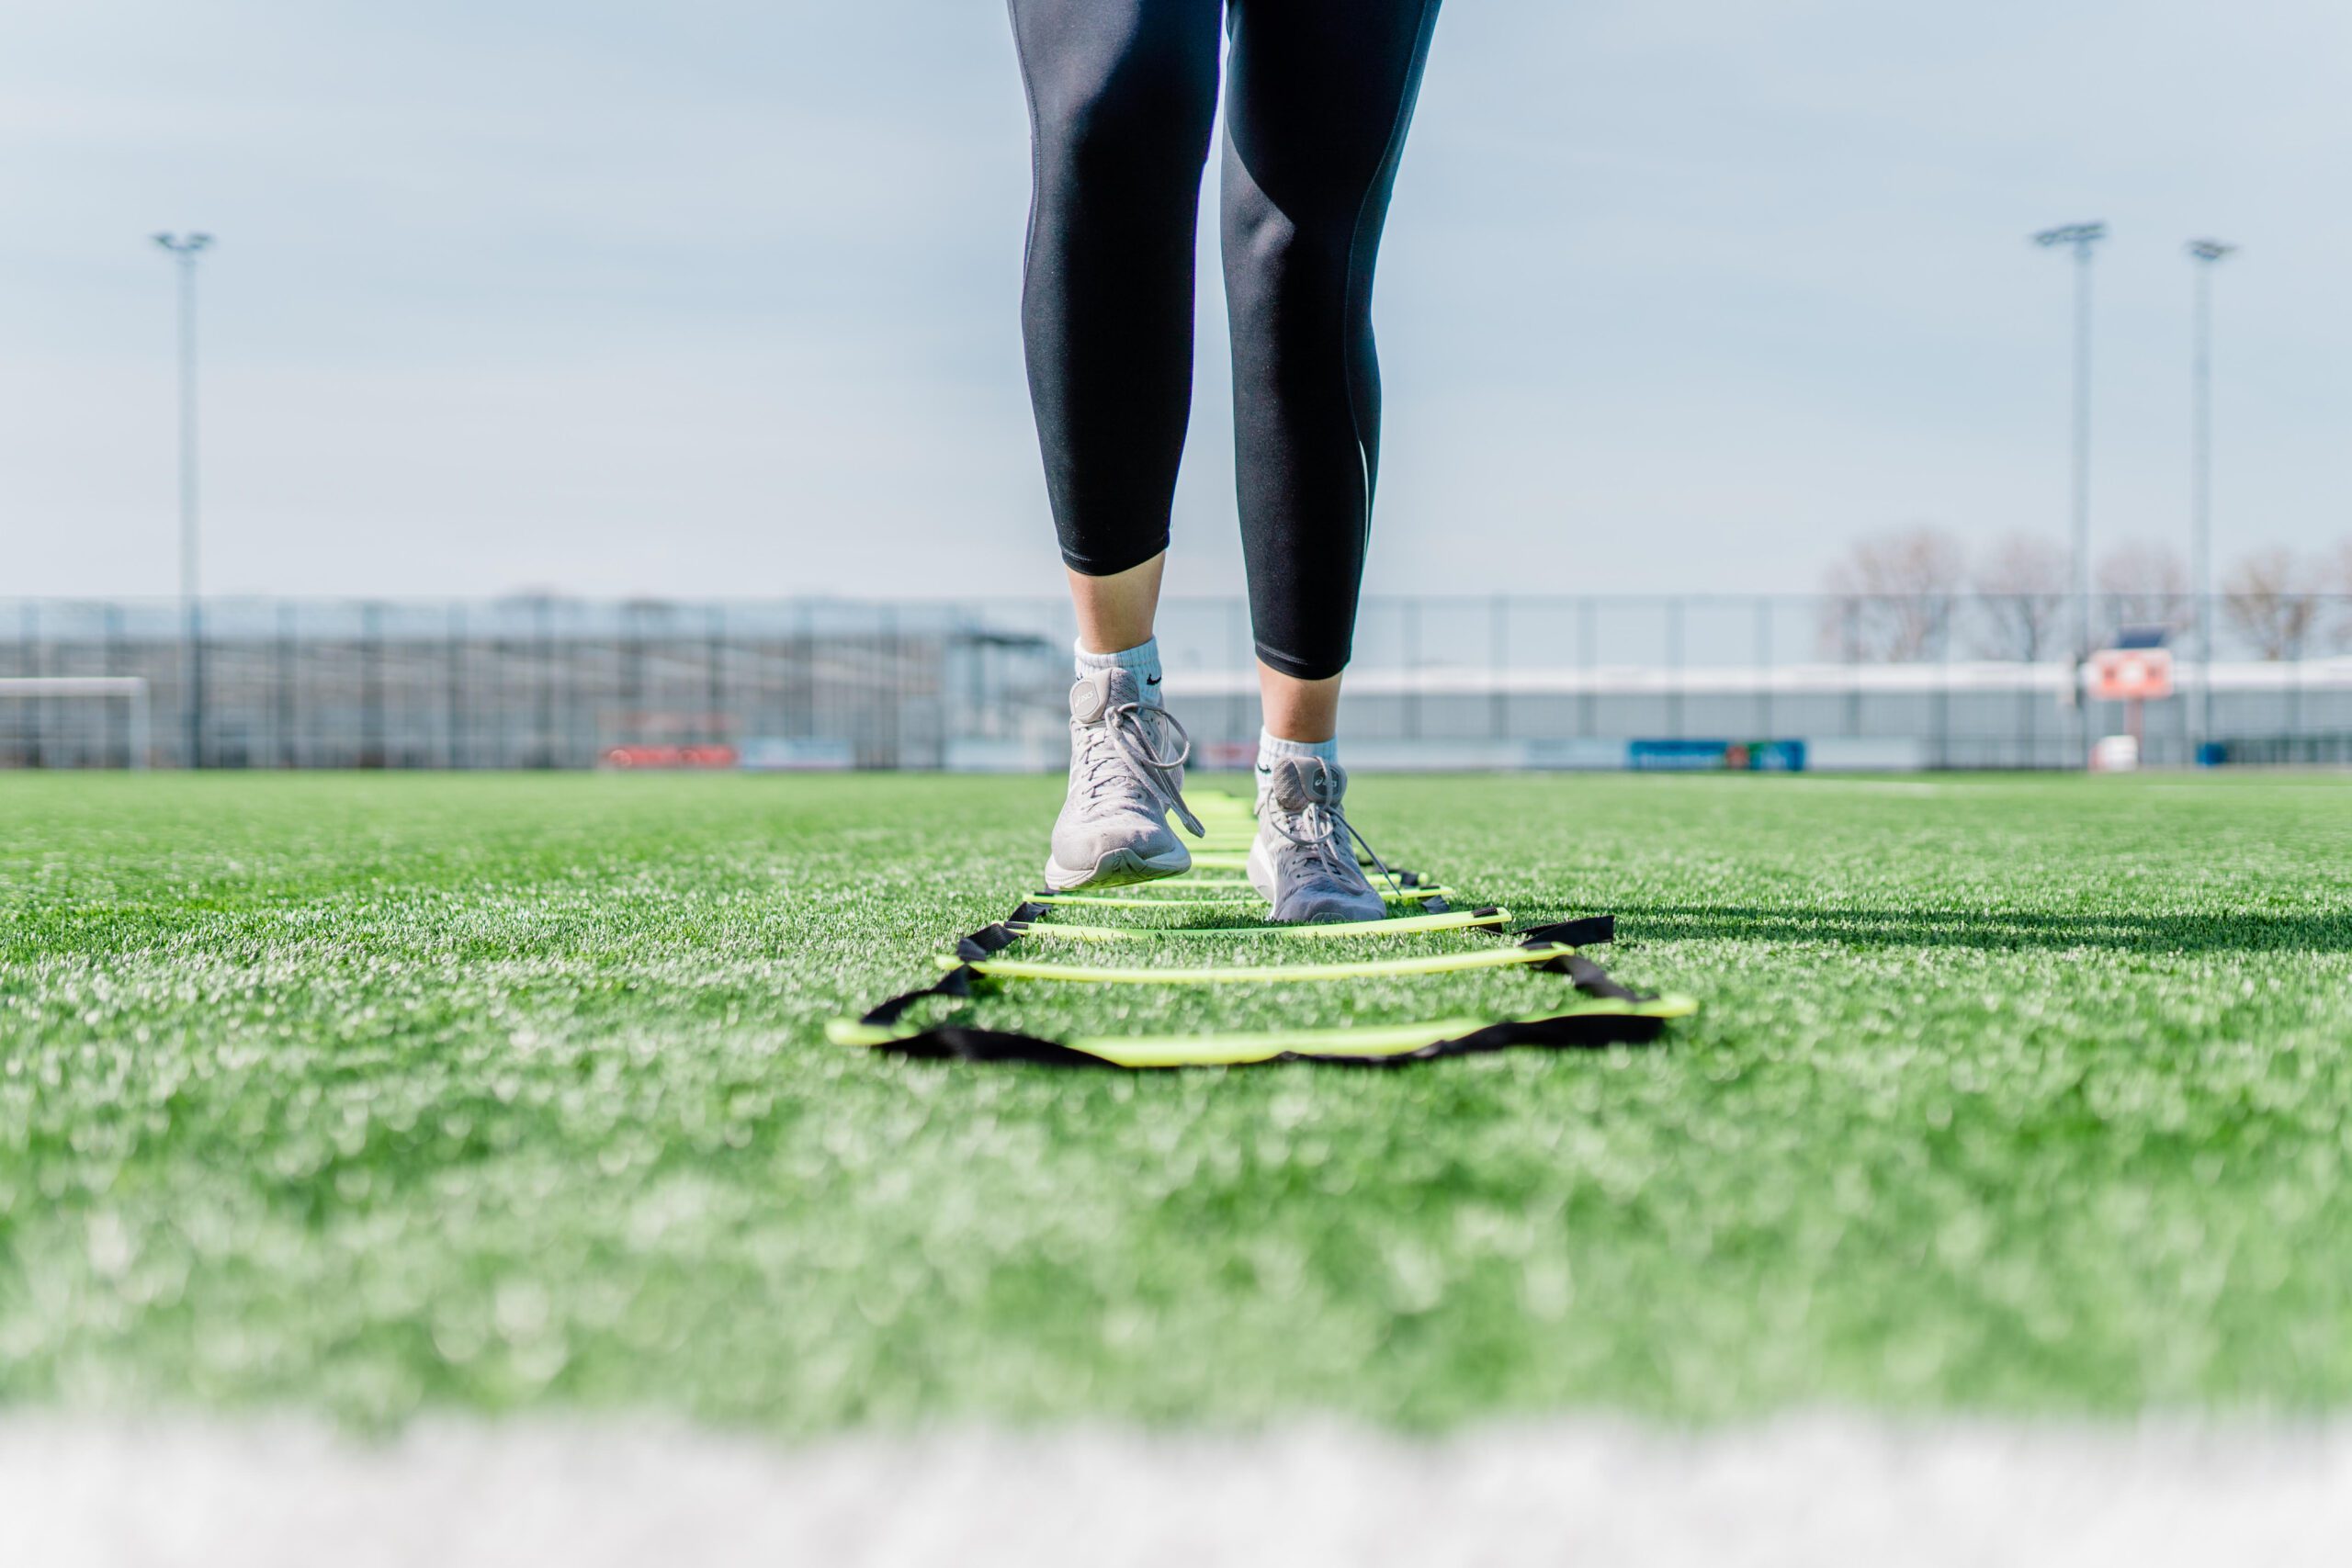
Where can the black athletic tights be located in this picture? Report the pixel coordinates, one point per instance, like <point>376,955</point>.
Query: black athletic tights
<point>1121,95</point>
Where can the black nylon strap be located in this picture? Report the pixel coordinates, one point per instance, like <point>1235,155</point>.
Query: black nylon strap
<point>985,942</point>
<point>1569,1031</point>
<point>1590,931</point>
<point>951,1043</point>
<point>992,939</point>
<point>1582,972</point>
<point>1574,1031</point>
<point>1594,981</point>
<point>1566,1032</point>
<point>956,982</point>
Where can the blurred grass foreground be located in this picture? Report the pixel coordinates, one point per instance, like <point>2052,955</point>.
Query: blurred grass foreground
<point>373,1095</point>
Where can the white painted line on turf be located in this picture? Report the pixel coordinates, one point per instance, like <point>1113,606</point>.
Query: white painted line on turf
<point>1866,786</point>
<point>89,1493</point>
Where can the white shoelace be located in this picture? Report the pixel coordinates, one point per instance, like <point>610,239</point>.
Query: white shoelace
<point>1120,745</point>
<point>1328,837</point>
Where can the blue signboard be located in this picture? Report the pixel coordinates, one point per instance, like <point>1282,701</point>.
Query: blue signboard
<point>1715,756</point>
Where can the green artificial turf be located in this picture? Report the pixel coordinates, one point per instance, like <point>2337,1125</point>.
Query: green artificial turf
<point>376,1094</point>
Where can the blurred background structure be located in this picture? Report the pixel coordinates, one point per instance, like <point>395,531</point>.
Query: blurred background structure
<point>1949,679</point>
<point>1726,398</point>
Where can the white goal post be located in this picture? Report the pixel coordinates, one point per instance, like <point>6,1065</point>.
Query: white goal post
<point>131,689</point>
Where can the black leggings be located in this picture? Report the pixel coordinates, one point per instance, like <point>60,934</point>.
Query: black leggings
<point>1121,95</point>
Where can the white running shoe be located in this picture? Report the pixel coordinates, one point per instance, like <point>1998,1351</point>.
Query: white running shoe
<point>1303,861</point>
<point>1126,774</point>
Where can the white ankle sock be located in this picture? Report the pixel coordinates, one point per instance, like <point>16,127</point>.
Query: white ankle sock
<point>1143,660</point>
<point>1272,748</point>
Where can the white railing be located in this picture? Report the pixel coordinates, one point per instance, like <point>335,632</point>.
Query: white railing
<point>2312,675</point>
<point>132,689</point>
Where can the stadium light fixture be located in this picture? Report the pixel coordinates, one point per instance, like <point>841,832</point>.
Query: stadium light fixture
<point>184,249</point>
<point>2204,254</point>
<point>2080,238</point>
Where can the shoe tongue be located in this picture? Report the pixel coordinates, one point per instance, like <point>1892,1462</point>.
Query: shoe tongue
<point>1300,782</point>
<point>1097,692</point>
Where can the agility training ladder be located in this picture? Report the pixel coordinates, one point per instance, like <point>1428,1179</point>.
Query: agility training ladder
<point>1602,1012</point>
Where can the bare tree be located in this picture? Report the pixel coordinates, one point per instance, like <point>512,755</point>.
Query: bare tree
<point>2146,585</point>
<point>2270,603</point>
<point>1891,596</point>
<point>2339,583</point>
<point>2020,583</point>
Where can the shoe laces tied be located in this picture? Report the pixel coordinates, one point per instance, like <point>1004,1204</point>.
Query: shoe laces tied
<point>1121,745</point>
<point>1326,834</point>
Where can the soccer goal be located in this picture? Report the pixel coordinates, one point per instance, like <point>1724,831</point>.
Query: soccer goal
<point>68,721</point>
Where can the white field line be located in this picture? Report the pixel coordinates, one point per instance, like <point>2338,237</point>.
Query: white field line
<point>1815,781</point>
<point>1814,1491</point>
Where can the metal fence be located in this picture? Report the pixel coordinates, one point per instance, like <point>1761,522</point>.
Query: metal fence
<point>545,682</point>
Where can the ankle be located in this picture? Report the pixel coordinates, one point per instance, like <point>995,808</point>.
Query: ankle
<point>1142,661</point>
<point>1273,749</point>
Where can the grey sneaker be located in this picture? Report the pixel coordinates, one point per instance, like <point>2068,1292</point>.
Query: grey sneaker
<point>1304,860</point>
<point>1126,774</point>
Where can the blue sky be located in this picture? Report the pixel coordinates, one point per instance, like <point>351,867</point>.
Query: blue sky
<point>713,297</point>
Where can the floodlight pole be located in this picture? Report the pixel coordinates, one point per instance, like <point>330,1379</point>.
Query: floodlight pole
<point>183,250</point>
<point>2080,238</point>
<point>2204,254</point>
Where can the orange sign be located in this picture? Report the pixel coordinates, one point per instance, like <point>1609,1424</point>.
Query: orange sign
<point>707,756</point>
<point>2130,674</point>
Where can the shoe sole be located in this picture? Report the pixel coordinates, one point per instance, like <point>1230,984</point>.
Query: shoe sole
<point>1120,868</point>
<point>1261,873</point>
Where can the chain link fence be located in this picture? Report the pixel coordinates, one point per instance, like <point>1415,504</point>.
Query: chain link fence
<point>1957,680</point>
